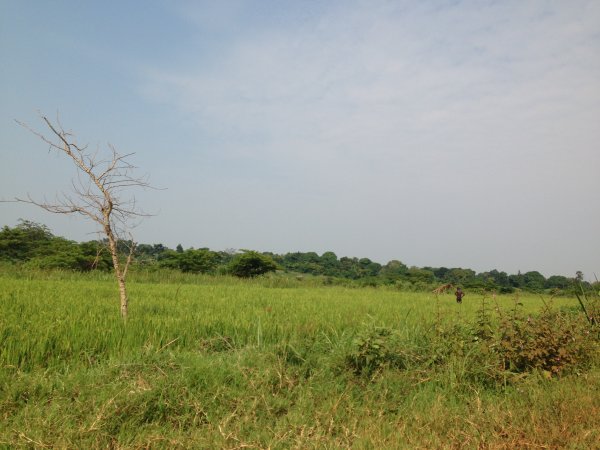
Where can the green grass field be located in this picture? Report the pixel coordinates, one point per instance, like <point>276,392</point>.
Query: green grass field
<point>207,362</point>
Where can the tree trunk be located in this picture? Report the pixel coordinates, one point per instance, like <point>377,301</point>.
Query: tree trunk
<point>112,244</point>
<point>123,295</point>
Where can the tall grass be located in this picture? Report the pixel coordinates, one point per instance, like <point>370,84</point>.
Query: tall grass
<point>55,321</point>
<point>216,362</point>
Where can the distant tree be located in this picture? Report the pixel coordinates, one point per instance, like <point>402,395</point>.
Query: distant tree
<point>309,262</point>
<point>157,249</point>
<point>579,276</point>
<point>179,248</point>
<point>394,270</point>
<point>330,264</point>
<point>66,255</point>
<point>415,274</point>
<point>149,253</point>
<point>96,256</point>
<point>516,281</point>
<point>25,241</point>
<point>226,256</point>
<point>144,249</point>
<point>349,268</point>
<point>369,268</point>
<point>483,281</point>
<point>98,195</point>
<point>534,281</point>
<point>198,261</point>
<point>250,264</point>
<point>440,273</point>
<point>34,245</point>
<point>558,282</point>
<point>169,259</point>
<point>459,276</point>
<point>500,278</point>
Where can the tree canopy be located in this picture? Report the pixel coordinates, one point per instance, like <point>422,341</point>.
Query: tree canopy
<point>251,264</point>
<point>33,245</point>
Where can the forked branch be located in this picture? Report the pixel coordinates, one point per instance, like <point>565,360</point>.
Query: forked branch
<point>97,193</point>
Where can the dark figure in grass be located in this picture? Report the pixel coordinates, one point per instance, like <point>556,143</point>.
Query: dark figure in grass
<point>459,295</point>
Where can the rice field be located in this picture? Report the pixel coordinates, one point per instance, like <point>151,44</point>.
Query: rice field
<point>215,362</point>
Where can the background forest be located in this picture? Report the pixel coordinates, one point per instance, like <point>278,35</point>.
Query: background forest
<point>33,245</point>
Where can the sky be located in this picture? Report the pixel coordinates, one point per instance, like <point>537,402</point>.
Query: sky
<point>438,133</point>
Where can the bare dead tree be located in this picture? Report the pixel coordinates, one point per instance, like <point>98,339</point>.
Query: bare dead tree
<point>98,194</point>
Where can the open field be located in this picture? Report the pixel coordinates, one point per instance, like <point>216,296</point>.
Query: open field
<point>207,362</point>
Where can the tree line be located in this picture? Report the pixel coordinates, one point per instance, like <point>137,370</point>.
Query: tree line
<point>33,245</point>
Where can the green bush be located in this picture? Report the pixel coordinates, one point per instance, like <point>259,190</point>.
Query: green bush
<point>373,349</point>
<point>552,341</point>
<point>251,264</point>
<point>190,261</point>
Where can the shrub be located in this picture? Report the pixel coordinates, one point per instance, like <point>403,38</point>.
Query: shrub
<point>375,348</point>
<point>250,264</point>
<point>552,341</point>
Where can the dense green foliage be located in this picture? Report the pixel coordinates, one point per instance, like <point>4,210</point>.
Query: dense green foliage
<point>273,362</point>
<point>251,264</point>
<point>190,261</point>
<point>35,246</point>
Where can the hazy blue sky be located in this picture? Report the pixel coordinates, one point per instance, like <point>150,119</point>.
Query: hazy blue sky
<point>440,133</point>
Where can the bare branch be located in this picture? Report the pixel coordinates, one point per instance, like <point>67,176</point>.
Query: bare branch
<point>97,193</point>
<point>130,255</point>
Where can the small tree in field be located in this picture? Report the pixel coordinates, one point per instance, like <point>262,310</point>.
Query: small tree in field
<point>250,264</point>
<point>98,195</point>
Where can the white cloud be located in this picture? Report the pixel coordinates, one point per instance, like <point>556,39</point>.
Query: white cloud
<point>355,70</point>
<point>436,132</point>
<point>473,101</point>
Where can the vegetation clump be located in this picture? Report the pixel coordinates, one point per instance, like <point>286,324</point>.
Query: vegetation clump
<point>31,245</point>
<point>224,362</point>
<point>375,348</point>
<point>553,342</point>
<point>251,264</point>
<point>487,351</point>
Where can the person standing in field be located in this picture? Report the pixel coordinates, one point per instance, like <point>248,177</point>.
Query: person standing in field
<point>459,295</point>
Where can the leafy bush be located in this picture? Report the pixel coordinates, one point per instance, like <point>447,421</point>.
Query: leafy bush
<point>487,352</point>
<point>552,341</point>
<point>67,255</point>
<point>250,264</point>
<point>375,348</point>
<point>190,261</point>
